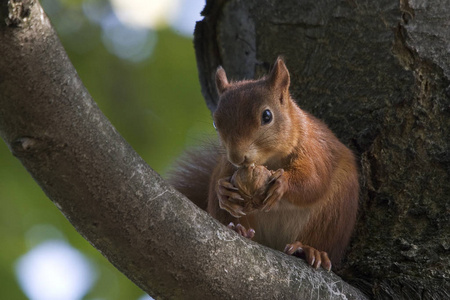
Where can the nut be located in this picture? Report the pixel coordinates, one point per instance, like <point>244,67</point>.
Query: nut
<point>252,182</point>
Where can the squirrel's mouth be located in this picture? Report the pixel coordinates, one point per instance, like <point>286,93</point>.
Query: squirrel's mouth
<point>245,164</point>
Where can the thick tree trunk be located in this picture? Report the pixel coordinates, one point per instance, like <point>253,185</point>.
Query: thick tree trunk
<point>150,232</point>
<point>377,72</point>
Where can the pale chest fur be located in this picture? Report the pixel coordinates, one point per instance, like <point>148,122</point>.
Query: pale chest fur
<point>280,226</point>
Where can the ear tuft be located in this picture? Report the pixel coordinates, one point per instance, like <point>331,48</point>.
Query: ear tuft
<point>221,80</point>
<point>279,78</point>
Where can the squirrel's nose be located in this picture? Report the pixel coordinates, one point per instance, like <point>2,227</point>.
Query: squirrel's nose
<point>238,159</point>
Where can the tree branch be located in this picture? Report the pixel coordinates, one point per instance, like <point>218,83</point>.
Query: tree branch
<point>150,232</point>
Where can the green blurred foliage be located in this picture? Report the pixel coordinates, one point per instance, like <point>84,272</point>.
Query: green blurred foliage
<point>155,104</point>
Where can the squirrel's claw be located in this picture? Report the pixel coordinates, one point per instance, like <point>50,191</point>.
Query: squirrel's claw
<point>234,209</point>
<point>225,182</point>
<point>225,188</point>
<point>313,257</point>
<point>250,233</point>
<point>229,198</point>
<point>277,187</point>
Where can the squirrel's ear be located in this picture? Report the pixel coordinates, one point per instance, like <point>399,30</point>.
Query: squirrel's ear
<point>221,80</point>
<point>278,78</point>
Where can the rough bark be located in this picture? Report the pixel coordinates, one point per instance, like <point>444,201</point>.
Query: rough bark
<point>377,72</point>
<point>151,233</point>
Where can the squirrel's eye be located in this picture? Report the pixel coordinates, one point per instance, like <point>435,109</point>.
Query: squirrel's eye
<point>214,125</point>
<point>266,117</point>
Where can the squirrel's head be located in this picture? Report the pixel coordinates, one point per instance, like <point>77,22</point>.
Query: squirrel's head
<point>254,117</point>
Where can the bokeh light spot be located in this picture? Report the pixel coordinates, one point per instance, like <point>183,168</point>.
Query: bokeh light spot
<point>54,270</point>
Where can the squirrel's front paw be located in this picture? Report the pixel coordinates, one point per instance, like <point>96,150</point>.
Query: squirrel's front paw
<point>278,185</point>
<point>229,198</point>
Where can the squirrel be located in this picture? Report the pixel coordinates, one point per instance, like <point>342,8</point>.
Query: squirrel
<point>311,201</point>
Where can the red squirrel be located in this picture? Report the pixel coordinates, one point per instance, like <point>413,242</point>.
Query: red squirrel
<point>311,202</point>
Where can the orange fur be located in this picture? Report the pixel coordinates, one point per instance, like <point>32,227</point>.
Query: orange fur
<point>317,196</point>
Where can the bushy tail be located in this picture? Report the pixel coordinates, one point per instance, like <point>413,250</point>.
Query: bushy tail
<point>191,173</point>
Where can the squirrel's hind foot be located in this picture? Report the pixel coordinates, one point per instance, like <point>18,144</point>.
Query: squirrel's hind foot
<point>313,257</point>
